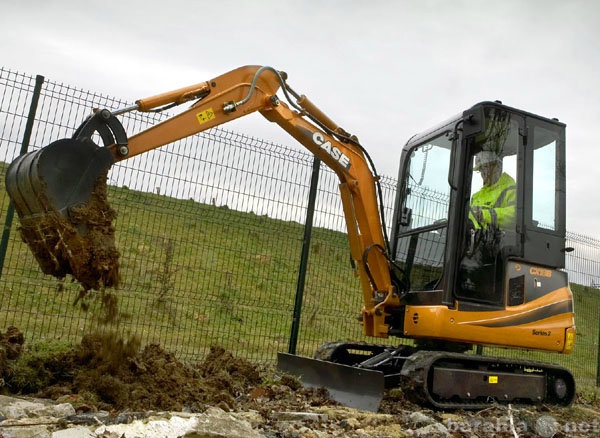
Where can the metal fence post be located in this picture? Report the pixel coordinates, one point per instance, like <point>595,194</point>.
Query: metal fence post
<point>10,211</point>
<point>598,358</point>
<point>312,197</point>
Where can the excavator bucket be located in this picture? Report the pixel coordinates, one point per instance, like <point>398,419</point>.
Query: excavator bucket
<point>351,386</point>
<point>59,194</point>
<point>55,178</point>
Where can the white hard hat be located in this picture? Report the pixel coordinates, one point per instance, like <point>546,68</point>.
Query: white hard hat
<point>485,157</point>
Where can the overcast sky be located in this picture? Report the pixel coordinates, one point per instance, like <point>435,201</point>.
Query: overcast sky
<point>384,70</point>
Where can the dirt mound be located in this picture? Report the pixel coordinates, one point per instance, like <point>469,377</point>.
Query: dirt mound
<point>108,373</point>
<point>11,347</point>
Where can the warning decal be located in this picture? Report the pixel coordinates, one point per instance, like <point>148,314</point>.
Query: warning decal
<point>205,116</point>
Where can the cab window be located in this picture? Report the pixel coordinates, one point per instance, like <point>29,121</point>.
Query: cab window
<point>422,238</point>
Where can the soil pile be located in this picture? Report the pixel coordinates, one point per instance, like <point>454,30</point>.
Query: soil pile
<point>108,373</point>
<point>11,346</point>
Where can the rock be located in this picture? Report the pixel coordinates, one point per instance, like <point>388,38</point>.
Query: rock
<point>213,423</point>
<point>27,418</point>
<point>74,432</point>
<point>420,419</point>
<point>217,423</point>
<point>253,417</point>
<point>168,428</point>
<point>13,412</point>
<point>39,431</point>
<point>61,410</point>
<point>546,426</point>
<point>16,408</point>
<point>34,431</point>
<point>432,430</point>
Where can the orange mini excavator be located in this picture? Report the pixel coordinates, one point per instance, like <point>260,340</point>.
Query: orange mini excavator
<point>451,275</point>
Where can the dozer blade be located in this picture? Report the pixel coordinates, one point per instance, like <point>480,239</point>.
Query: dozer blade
<point>351,386</point>
<point>59,193</point>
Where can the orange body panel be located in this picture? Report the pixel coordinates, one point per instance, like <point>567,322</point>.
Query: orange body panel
<point>533,325</point>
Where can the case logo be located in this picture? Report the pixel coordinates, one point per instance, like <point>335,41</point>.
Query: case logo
<point>335,153</point>
<point>540,272</point>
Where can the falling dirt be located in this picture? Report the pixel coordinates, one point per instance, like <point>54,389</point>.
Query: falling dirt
<point>80,243</point>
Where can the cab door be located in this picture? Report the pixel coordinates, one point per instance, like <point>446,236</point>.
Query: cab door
<point>421,223</point>
<point>493,210</point>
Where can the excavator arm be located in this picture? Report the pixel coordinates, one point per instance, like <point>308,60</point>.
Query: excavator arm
<point>230,96</point>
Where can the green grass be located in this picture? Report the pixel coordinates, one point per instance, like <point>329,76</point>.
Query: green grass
<point>194,275</point>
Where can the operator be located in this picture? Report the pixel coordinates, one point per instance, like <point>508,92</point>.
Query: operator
<point>494,204</point>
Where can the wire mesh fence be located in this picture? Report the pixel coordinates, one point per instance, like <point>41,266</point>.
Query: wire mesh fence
<point>210,231</point>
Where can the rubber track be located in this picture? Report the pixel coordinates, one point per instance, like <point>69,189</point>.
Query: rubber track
<point>417,368</point>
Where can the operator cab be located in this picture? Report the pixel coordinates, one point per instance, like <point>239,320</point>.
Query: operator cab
<point>459,236</point>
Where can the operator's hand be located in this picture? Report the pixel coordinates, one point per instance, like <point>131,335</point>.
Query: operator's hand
<point>478,214</point>
<point>476,217</point>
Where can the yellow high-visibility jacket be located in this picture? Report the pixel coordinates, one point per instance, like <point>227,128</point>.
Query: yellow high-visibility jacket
<point>497,203</point>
